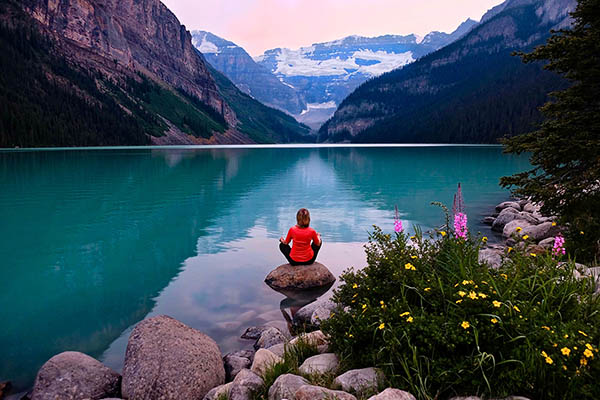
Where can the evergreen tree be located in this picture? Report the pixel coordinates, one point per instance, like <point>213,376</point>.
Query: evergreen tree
<point>565,149</point>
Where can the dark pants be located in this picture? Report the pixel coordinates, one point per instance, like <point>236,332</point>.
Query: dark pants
<point>286,249</point>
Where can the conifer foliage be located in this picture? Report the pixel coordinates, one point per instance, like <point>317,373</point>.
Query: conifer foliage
<point>565,149</point>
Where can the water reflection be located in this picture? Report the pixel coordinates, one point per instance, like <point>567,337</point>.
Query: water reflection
<point>94,241</point>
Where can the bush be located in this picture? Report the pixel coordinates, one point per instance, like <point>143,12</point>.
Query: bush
<point>439,323</point>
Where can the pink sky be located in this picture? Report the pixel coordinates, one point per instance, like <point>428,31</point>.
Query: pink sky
<point>258,25</point>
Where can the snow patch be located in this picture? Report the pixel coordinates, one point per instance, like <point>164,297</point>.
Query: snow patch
<point>418,38</point>
<point>319,106</point>
<point>285,83</point>
<point>207,47</point>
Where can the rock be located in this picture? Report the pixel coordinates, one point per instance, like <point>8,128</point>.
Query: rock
<point>531,207</point>
<point>282,326</point>
<point>287,276</point>
<point>491,257</point>
<point>309,392</point>
<point>316,338</point>
<point>488,220</point>
<point>547,243</point>
<point>393,394</point>
<point>263,359</point>
<point>4,388</point>
<point>511,242</point>
<point>234,364</point>
<point>535,249</point>
<point>254,332</point>
<point>221,390</point>
<point>322,312</point>
<point>466,398</point>
<point>74,375</point>
<point>528,217</point>
<point>541,231</point>
<point>270,337</point>
<point>507,215</point>
<point>305,314</point>
<point>167,359</point>
<point>320,364</point>
<point>507,204</point>
<point>285,386</point>
<point>360,380</point>
<point>244,384</point>
<point>278,349</point>
<point>510,228</point>
<point>249,354</point>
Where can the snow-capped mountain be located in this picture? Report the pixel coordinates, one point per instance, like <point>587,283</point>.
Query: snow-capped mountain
<point>325,73</point>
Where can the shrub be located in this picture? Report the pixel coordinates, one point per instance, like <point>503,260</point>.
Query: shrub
<point>439,323</point>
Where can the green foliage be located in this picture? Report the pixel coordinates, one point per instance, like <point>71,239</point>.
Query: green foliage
<point>565,150</point>
<point>439,323</point>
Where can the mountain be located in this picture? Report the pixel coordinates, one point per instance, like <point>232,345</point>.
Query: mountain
<point>325,73</point>
<point>253,79</point>
<point>471,91</point>
<point>102,72</point>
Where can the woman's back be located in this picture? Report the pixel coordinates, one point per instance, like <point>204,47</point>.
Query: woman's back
<point>302,237</point>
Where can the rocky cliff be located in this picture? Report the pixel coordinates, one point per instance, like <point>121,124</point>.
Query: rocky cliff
<point>471,91</point>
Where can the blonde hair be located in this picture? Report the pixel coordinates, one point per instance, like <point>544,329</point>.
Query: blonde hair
<point>303,218</point>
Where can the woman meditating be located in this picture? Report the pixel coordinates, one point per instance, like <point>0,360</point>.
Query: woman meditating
<point>303,252</point>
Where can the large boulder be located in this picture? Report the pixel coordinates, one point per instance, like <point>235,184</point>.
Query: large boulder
<point>542,231</point>
<point>285,386</point>
<point>490,256</point>
<point>244,385</point>
<point>74,375</point>
<point>270,337</point>
<point>320,364</point>
<point>289,277</point>
<point>360,380</point>
<point>507,204</point>
<point>315,338</point>
<point>263,360</point>
<point>167,359</point>
<point>234,364</point>
<point>309,392</point>
<point>511,227</point>
<point>393,394</point>
<point>505,216</point>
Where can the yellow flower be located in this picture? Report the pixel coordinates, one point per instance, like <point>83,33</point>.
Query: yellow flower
<point>409,319</point>
<point>588,353</point>
<point>381,302</point>
<point>404,314</point>
<point>510,249</point>
<point>458,301</point>
<point>533,255</point>
<point>494,320</point>
<point>525,237</point>
<point>554,345</point>
<point>589,346</point>
<point>553,223</point>
<point>482,295</point>
<point>443,233</point>
<point>473,295</point>
<point>504,276</point>
<point>364,306</point>
<point>566,351</point>
<point>583,361</point>
<point>465,324</point>
<point>465,282</point>
<point>409,266</point>
<point>354,286</point>
<point>549,360</point>
<point>350,335</point>
<point>565,367</point>
<point>461,293</point>
<point>546,327</point>
<point>354,295</point>
<point>516,309</point>
<point>414,257</point>
<point>484,239</point>
<point>484,282</point>
<point>496,303</point>
<point>427,289</point>
<point>456,285</point>
<point>544,354</point>
<point>583,333</point>
<point>581,232</point>
<point>412,238</point>
<point>566,336</point>
<point>518,229</point>
<point>381,326</point>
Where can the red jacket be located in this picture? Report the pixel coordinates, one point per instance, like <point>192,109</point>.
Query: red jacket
<point>301,250</point>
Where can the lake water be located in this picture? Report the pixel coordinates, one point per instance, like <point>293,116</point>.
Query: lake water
<point>93,241</point>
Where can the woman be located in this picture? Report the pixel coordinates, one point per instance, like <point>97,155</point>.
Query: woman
<point>302,252</point>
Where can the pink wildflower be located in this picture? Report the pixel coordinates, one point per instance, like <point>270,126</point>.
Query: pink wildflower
<point>397,223</point>
<point>558,248</point>
<point>460,225</point>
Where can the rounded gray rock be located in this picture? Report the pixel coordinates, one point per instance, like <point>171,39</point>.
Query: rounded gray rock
<point>288,277</point>
<point>542,231</point>
<point>360,380</point>
<point>285,386</point>
<point>244,385</point>
<point>505,216</point>
<point>270,337</point>
<point>320,364</point>
<point>393,394</point>
<point>169,360</point>
<point>233,365</point>
<point>74,375</point>
<point>507,204</point>
<point>310,392</point>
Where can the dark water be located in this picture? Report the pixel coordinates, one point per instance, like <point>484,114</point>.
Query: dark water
<point>93,241</point>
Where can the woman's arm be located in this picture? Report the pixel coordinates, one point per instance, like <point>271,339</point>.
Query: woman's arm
<point>287,239</point>
<point>316,238</point>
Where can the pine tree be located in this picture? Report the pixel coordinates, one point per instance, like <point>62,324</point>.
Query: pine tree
<point>565,149</point>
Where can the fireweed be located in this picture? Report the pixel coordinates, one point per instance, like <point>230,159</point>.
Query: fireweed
<point>559,246</point>
<point>452,326</point>
<point>460,217</point>
<point>397,222</point>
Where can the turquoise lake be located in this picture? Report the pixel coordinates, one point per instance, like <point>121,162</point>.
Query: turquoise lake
<point>92,241</point>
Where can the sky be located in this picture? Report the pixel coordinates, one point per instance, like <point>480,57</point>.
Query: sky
<point>258,25</point>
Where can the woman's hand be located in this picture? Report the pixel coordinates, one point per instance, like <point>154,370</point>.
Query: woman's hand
<point>282,240</point>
